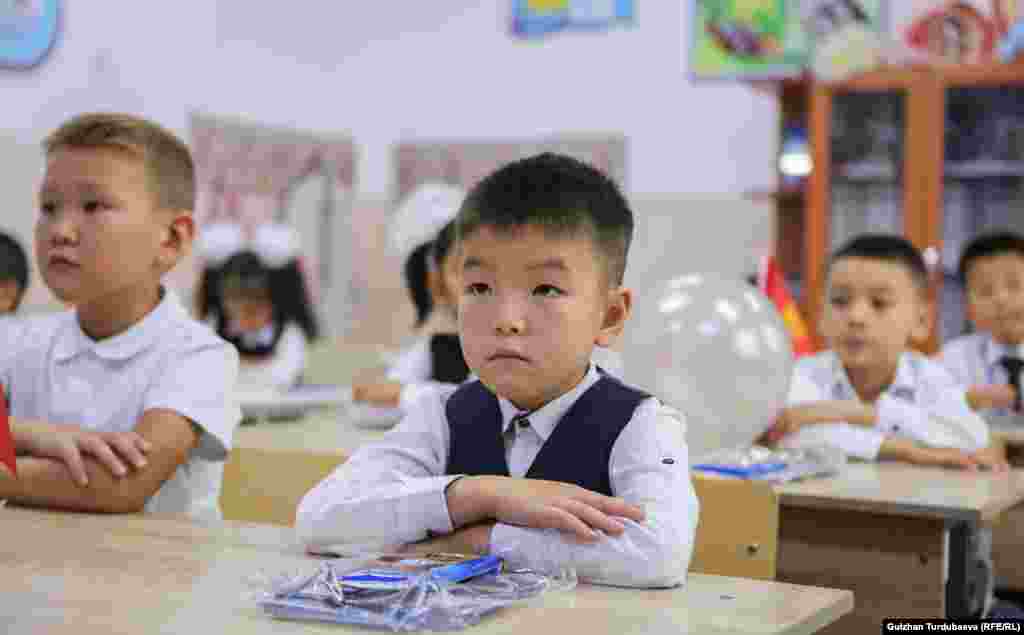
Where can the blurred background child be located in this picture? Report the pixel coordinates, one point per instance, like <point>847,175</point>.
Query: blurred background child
<point>254,295</point>
<point>424,234</point>
<point>13,273</point>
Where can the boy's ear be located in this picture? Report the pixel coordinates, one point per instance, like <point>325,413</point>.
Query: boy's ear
<point>177,239</point>
<point>617,311</point>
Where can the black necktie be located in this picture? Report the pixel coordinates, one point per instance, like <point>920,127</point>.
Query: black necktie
<point>519,422</point>
<point>1013,366</point>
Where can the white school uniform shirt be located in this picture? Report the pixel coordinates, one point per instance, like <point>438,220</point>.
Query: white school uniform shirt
<point>281,369</point>
<point>924,404</point>
<point>393,492</point>
<point>974,360</point>
<point>56,373</point>
<point>414,368</point>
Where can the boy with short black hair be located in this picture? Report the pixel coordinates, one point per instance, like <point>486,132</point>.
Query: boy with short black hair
<point>989,361</point>
<point>874,397</point>
<point>546,460</point>
<point>870,394</point>
<point>115,216</point>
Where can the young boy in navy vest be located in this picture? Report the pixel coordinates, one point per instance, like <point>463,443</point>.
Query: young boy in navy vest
<point>545,460</point>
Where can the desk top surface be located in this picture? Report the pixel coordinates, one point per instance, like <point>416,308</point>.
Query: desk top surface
<point>326,430</point>
<point>87,574</point>
<point>899,489</point>
<point>886,488</point>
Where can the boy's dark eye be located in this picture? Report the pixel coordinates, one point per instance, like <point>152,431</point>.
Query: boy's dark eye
<point>839,300</point>
<point>548,291</point>
<point>92,206</point>
<point>48,208</point>
<point>879,305</point>
<point>477,288</point>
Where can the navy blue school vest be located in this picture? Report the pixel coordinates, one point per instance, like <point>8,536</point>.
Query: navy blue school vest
<point>578,451</point>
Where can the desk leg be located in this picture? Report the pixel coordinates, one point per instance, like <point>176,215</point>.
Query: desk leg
<point>959,587</point>
<point>1008,549</point>
<point>894,565</point>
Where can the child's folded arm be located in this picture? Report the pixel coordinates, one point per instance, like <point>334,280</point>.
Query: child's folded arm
<point>388,492</point>
<point>45,482</point>
<point>939,417</point>
<point>649,467</point>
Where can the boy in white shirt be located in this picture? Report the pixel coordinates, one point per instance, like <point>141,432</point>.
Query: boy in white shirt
<point>876,399</point>
<point>869,394</point>
<point>989,361</point>
<point>115,216</point>
<point>544,460</point>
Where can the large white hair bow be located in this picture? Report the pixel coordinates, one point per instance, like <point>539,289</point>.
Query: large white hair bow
<point>276,244</point>
<point>424,213</point>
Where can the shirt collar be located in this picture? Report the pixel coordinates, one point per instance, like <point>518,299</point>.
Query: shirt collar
<point>73,341</point>
<point>903,384</point>
<point>544,419</point>
<point>993,350</point>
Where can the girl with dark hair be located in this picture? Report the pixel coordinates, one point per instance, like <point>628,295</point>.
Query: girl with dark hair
<point>424,229</point>
<point>13,273</point>
<point>254,295</point>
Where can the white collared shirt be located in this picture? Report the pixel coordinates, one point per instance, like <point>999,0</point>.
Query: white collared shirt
<point>924,404</point>
<point>974,360</point>
<point>393,492</point>
<point>56,373</point>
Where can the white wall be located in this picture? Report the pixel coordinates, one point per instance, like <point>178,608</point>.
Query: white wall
<point>395,68</point>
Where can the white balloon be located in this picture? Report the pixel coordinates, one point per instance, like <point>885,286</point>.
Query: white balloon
<point>715,348</point>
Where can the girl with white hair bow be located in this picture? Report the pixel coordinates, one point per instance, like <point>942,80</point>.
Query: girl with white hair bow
<point>423,232</point>
<point>254,295</point>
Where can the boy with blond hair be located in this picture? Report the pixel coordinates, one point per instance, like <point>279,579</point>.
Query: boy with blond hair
<point>115,215</point>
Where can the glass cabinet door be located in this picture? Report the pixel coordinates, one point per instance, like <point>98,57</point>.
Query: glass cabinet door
<point>983,182</point>
<point>867,149</point>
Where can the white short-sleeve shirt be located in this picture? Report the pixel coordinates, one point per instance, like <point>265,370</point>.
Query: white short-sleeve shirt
<point>54,372</point>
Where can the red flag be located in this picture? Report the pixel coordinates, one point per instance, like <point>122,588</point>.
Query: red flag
<point>772,284</point>
<point>6,440</point>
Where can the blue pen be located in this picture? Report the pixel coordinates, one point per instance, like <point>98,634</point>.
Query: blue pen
<point>757,469</point>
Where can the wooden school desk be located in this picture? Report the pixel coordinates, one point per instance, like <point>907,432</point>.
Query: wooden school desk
<point>880,530</point>
<point>274,463</point>
<point>86,575</point>
<point>1008,531</point>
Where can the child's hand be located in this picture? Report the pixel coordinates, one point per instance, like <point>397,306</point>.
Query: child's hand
<point>475,539</point>
<point>985,396</point>
<point>992,458</point>
<point>943,457</point>
<point>787,422</point>
<point>539,504</point>
<point>67,444</point>
<point>791,419</point>
<point>385,393</point>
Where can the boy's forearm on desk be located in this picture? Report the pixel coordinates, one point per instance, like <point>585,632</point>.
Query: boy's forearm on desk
<point>46,483</point>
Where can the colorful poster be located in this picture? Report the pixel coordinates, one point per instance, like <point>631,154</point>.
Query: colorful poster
<point>772,39</point>
<point>747,38</point>
<point>538,18</point>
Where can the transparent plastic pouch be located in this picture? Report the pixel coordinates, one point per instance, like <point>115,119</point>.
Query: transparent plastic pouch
<point>419,599</point>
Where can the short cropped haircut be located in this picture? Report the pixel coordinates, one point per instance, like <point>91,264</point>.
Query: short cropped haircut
<point>563,195</point>
<point>996,243</point>
<point>167,160</point>
<point>13,262</point>
<point>886,248</point>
